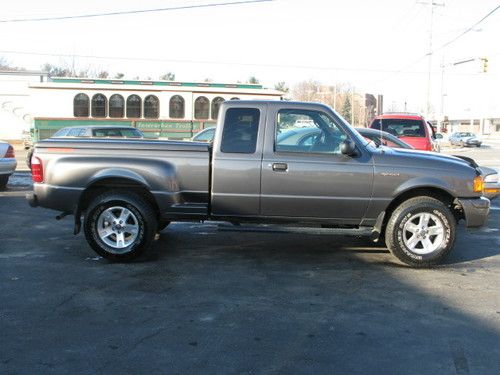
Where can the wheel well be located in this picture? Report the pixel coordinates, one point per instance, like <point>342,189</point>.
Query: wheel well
<point>433,192</point>
<point>116,183</point>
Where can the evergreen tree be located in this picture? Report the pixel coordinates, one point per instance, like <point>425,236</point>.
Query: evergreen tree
<point>346,108</point>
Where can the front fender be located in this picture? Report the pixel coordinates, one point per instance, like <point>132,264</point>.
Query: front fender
<point>423,182</point>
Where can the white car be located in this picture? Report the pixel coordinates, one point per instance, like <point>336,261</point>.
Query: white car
<point>8,163</point>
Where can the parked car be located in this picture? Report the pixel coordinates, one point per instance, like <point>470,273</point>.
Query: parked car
<point>8,163</point>
<point>465,139</point>
<point>92,131</point>
<point>411,199</point>
<point>410,128</point>
<point>99,131</point>
<point>206,135</point>
<point>303,135</point>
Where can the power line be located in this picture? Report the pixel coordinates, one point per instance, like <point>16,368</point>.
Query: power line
<point>119,13</point>
<point>468,30</point>
<point>215,62</point>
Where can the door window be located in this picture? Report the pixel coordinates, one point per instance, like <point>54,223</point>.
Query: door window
<point>307,131</point>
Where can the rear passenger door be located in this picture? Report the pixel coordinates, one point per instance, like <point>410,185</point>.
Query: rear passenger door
<point>237,161</point>
<point>312,179</point>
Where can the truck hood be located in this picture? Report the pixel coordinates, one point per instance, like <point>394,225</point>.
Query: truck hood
<point>427,159</point>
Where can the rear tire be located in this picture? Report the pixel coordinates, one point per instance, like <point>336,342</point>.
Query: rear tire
<point>421,231</point>
<point>120,225</point>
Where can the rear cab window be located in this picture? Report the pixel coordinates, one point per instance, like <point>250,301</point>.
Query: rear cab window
<point>241,126</point>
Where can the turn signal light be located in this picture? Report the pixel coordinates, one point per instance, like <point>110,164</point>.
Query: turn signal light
<point>36,169</point>
<point>478,185</point>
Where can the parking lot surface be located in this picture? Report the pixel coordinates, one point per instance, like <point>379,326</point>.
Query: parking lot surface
<point>212,299</point>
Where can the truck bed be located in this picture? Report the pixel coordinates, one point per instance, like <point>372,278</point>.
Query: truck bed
<point>175,172</point>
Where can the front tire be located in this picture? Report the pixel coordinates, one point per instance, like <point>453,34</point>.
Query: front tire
<point>421,231</point>
<point>120,226</point>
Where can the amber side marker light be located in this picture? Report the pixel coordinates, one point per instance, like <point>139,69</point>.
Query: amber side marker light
<point>491,190</point>
<point>478,185</point>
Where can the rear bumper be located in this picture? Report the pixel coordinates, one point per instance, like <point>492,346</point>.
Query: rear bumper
<point>54,197</point>
<point>475,211</point>
<point>7,166</point>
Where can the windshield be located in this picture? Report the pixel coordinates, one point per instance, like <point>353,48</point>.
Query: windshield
<point>400,127</point>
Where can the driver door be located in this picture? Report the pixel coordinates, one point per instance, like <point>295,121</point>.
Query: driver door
<point>304,174</point>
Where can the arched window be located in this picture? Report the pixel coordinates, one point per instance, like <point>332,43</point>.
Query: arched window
<point>215,107</point>
<point>176,107</point>
<point>134,106</point>
<point>116,106</point>
<point>99,104</point>
<point>151,107</point>
<point>81,105</point>
<point>201,108</point>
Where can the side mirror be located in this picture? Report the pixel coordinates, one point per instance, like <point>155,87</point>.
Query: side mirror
<point>348,147</point>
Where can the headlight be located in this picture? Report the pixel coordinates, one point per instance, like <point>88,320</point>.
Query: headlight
<point>491,178</point>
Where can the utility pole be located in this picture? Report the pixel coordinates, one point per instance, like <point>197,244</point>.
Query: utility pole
<point>431,5</point>
<point>352,105</point>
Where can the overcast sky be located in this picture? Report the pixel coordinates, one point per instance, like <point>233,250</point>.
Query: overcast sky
<point>376,46</point>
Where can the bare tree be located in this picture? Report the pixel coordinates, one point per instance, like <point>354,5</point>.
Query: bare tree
<point>102,74</point>
<point>5,65</point>
<point>169,76</point>
<point>253,80</point>
<point>281,86</point>
<point>307,91</point>
<point>56,71</point>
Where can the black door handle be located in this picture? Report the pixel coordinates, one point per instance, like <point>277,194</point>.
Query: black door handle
<point>280,167</point>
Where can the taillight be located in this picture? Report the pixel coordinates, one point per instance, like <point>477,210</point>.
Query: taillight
<point>10,153</point>
<point>36,169</point>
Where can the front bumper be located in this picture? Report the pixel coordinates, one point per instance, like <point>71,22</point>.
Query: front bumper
<point>476,211</point>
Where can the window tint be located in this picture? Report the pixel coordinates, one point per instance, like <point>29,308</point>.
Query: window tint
<point>215,107</point>
<point>74,132</point>
<point>151,107</point>
<point>116,106</point>
<point>61,132</point>
<point>99,104</point>
<point>134,106</point>
<point>176,107</point>
<point>401,127</point>
<point>201,108</point>
<point>241,126</point>
<point>81,104</point>
<point>307,131</point>
<point>205,135</point>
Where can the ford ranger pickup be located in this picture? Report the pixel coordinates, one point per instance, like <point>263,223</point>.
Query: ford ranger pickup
<point>260,169</point>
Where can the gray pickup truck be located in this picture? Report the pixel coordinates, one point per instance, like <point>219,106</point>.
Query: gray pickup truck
<point>264,168</point>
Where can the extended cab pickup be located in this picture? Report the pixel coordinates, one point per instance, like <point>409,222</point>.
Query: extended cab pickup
<point>260,168</point>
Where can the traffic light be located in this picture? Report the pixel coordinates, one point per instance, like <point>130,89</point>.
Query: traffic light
<point>485,64</point>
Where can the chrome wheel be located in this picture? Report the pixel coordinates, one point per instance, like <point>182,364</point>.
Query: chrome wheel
<point>118,228</point>
<point>423,233</point>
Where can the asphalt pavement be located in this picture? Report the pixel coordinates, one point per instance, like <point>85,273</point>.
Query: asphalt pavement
<point>215,299</point>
